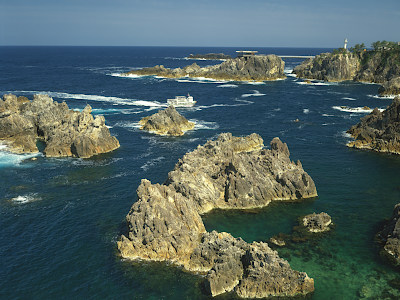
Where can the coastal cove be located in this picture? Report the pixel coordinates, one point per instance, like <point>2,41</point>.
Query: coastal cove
<point>61,217</point>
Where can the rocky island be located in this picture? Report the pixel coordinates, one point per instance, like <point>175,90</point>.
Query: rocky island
<point>166,122</point>
<point>232,173</point>
<point>247,68</point>
<point>65,132</point>
<point>379,131</point>
<point>389,237</point>
<point>380,65</point>
<point>210,56</point>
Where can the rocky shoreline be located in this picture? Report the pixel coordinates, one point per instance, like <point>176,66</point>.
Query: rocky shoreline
<point>65,132</point>
<point>374,66</point>
<point>231,173</point>
<point>166,122</point>
<point>252,68</point>
<point>378,131</point>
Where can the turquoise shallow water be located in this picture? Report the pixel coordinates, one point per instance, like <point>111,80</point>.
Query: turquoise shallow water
<point>60,218</point>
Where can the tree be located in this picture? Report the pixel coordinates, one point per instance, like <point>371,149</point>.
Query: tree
<point>358,48</point>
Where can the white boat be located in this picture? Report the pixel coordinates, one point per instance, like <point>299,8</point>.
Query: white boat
<point>182,101</point>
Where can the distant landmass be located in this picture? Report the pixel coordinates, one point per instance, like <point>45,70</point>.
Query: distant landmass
<point>210,56</point>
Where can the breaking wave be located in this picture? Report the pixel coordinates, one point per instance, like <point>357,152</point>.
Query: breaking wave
<point>365,110</point>
<point>255,94</point>
<point>22,199</point>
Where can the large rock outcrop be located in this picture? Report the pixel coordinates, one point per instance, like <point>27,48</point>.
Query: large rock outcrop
<point>379,131</point>
<point>237,173</point>
<point>329,67</point>
<point>252,68</point>
<point>65,132</point>
<point>378,66</point>
<point>166,122</point>
<point>165,223</point>
<point>390,237</point>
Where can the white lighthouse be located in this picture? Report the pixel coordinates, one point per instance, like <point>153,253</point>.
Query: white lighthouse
<point>345,44</point>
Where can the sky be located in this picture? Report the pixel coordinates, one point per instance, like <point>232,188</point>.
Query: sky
<point>257,23</point>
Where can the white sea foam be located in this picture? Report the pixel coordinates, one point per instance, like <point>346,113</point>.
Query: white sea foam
<point>349,98</point>
<point>227,86</point>
<point>109,99</point>
<point>288,71</point>
<point>22,199</point>
<point>316,83</point>
<point>151,163</point>
<point>291,75</point>
<point>354,109</point>
<point>128,124</point>
<point>204,125</point>
<point>11,159</point>
<point>382,97</point>
<point>326,115</point>
<point>201,80</point>
<point>306,110</point>
<point>254,82</point>
<point>254,94</point>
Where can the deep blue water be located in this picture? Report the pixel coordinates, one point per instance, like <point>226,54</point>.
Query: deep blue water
<point>60,218</point>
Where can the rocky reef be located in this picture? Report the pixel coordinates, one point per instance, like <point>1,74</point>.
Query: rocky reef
<point>374,66</point>
<point>65,132</point>
<point>166,122</point>
<point>379,131</point>
<point>309,227</point>
<point>210,56</point>
<point>252,68</point>
<point>390,237</point>
<point>231,172</point>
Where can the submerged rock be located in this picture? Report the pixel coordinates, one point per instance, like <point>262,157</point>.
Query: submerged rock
<point>166,122</point>
<point>65,132</point>
<point>390,237</point>
<point>253,68</point>
<point>165,223</point>
<point>379,131</point>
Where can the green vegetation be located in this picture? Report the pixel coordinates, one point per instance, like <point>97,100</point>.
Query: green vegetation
<point>358,48</point>
<point>339,51</point>
<point>385,45</point>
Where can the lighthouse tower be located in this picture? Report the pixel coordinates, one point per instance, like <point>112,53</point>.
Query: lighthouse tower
<point>345,44</point>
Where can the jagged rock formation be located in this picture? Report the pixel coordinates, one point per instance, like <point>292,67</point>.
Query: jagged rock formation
<point>165,223</point>
<point>166,122</point>
<point>65,132</point>
<point>391,87</point>
<point>317,222</point>
<point>236,173</point>
<point>253,68</point>
<point>378,66</point>
<point>390,237</point>
<point>329,67</point>
<point>210,56</point>
<point>379,131</point>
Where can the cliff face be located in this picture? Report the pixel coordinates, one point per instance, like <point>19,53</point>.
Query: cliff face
<point>381,67</point>
<point>379,131</point>
<point>254,68</point>
<point>166,122</point>
<point>165,223</point>
<point>65,132</point>
<point>329,67</point>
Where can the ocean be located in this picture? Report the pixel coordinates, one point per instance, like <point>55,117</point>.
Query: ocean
<point>60,219</point>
